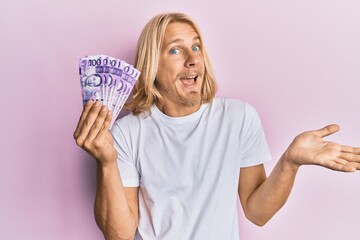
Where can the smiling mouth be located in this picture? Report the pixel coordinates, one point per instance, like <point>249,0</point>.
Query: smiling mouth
<point>189,81</point>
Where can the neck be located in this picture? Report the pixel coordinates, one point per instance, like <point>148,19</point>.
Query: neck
<point>177,110</point>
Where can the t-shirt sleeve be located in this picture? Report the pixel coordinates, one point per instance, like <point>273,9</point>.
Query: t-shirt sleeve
<point>126,163</point>
<point>253,144</point>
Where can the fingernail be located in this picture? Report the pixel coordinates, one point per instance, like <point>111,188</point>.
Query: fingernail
<point>89,101</point>
<point>104,108</point>
<point>97,103</point>
<point>109,113</point>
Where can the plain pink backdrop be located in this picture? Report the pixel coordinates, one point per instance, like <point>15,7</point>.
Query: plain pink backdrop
<point>296,61</point>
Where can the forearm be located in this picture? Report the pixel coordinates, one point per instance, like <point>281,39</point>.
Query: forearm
<point>112,212</point>
<point>272,193</point>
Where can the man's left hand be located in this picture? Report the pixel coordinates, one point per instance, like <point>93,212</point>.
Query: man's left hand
<point>310,148</point>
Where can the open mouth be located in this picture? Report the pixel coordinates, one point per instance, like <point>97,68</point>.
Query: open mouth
<point>189,81</point>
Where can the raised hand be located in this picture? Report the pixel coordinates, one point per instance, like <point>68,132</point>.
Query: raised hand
<point>310,148</point>
<point>92,132</point>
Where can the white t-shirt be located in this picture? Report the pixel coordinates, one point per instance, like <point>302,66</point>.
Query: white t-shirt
<point>188,168</point>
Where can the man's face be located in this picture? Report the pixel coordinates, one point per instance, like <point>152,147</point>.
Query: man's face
<point>181,65</point>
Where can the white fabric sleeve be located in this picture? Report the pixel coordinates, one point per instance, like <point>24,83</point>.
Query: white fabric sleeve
<point>253,144</point>
<point>126,163</point>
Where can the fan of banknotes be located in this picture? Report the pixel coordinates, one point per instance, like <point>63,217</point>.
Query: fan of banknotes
<point>107,79</point>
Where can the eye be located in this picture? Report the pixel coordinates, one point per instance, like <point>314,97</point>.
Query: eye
<point>174,51</point>
<point>196,48</point>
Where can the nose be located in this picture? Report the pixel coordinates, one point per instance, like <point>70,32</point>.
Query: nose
<point>191,60</point>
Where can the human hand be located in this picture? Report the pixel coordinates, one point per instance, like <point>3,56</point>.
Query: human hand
<point>310,148</point>
<point>93,135</point>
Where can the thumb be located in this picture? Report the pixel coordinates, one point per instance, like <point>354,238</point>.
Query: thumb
<point>326,131</point>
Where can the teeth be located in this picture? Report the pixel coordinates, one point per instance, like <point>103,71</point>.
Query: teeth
<point>190,77</point>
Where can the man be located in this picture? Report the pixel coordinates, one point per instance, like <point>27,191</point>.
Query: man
<point>180,161</point>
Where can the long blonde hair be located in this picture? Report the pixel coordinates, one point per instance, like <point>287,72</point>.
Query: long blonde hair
<point>145,93</point>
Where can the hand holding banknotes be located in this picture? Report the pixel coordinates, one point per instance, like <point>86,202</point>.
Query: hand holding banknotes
<point>310,148</point>
<point>107,79</point>
<point>92,132</point>
<point>106,83</point>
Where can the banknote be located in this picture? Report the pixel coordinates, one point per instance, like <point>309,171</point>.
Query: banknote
<point>107,79</point>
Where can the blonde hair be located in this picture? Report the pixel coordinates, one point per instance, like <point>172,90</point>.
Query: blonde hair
<point>145,93</point>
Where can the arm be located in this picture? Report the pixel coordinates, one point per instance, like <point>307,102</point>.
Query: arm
<point>116,207</point>
<point>262,197</point>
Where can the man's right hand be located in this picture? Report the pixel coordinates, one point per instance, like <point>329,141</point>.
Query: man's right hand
<point>93,135</point>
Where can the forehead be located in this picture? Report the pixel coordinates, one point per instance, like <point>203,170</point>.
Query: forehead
<point>179,31</point>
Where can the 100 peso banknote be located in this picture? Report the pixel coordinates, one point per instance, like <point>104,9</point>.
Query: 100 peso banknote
<point>108,80</point>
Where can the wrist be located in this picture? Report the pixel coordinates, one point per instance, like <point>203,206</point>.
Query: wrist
<point>106,170</point>
<point>288,164</point>
<point>107,165</point>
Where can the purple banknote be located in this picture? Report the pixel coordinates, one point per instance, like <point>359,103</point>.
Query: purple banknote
<point>107,79</point>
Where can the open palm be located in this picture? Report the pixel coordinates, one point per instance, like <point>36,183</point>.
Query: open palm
<point>310,148</point>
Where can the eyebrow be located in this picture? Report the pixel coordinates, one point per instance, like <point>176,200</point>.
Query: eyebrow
<point>181,40</point>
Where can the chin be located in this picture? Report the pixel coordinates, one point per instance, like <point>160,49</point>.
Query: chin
<point>193,99</point>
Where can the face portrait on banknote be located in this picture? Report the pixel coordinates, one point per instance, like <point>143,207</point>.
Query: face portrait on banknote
<point>91,86</point>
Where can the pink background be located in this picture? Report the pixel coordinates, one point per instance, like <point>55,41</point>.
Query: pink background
<point>296,61</point>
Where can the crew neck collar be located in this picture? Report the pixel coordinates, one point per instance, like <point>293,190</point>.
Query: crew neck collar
<point>179,120</point>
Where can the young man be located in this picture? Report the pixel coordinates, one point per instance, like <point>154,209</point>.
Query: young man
<point>175,167</point>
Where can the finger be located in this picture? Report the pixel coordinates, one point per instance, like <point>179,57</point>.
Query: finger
<point>96,127</point>
<point>346,149</point>
<point>341,167</point>
<point>106,126</point>
<point>83,115</point>
<point>328,130</point>
<point>356,150</point>
<point>349,149</point>
<point>88,122</point>
<point>104,131</point>
<point>350,157</point>
<point>355,165</point>
<point>358,166</point>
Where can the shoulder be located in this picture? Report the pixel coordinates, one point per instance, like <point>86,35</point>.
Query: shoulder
<point>131,124</point>
<point>125,121</point>
<point>125,124</point>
